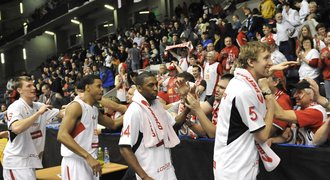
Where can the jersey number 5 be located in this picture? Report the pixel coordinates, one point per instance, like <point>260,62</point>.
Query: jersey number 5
<point>253,114</point>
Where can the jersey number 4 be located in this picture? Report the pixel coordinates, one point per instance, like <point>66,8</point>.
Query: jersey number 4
<point>253,114</point>
<point>126,132</point>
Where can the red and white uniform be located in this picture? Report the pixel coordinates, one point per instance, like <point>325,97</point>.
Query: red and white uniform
<point>22,150</point>
<point>211,76</point>
<point>73,166</point>
<point>156,161</point>
<point>242,114</point>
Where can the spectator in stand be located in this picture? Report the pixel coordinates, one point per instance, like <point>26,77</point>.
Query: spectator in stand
<point>291,15</point>
<point>325,65</point>
<point>276,56</point>
<point>121,84</point>
<point>162,46</point>
<point>236,24</point>
<point>241,38</point>
<point>50,98</point>
<point>267,30</point>
<point>284,31</point>
<point>169,83</point>
<point>217,43</point>
<point>308,59</point>
<point>277,86</point>
<point>212,72</point>
<point>267,9</point>
<point>205,40</point>
<point>175,39</point>
<point>134,58</point>
<point>209,107</point>
<point>309,118</point>
<point>228,54</point>
<point>200,83</point>
<point>154,55</point>
<point>107,78</point>
<point>302,5</point>
<point>250,22</point>
<point>183,58</point>
<point>313,12</point>
<point>321,32</point>
<point>306,32</point>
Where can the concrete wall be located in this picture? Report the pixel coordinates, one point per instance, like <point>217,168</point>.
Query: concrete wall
<point>38,50</point>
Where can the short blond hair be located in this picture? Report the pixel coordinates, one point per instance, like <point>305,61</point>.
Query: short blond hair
<point>18,81</point>
<point>251,51</point>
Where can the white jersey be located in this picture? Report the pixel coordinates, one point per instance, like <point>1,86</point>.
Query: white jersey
<point>156,161</point>
<point>242,114</point>
<point>211,76</point>
<point>85,132</point>
<point>22,150</point>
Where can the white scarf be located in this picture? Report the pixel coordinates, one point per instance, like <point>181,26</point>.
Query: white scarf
<point>156,131</point>
<point>268,156</point>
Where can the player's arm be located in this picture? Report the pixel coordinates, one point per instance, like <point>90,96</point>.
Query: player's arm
<point>262,135</point>
<point>206,124</point>
<point>284,115</point>
<point>106,102</point>
<point>21,125</point>
<point>109,122</point>
<point>127,153</point>
<point>73,114</point>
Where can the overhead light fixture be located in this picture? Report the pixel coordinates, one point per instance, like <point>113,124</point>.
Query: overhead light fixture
<point>21,7</point>
<point>144,12</point>
<point>107,25</point>
<point>2,58</point>
<point>75,21</point>
<point>50,33</point>
<point>78,35</point>
<point>25,24</point>
<point>24,53</point>
<point>109,7</point>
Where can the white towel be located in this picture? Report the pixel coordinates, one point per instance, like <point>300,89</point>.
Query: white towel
<point>156,131</point>
<point>267,155</point>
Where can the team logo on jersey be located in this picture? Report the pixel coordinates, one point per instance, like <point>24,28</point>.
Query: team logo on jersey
<point>36,134</point>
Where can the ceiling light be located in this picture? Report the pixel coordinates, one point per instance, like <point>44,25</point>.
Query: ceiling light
<point>109,7</point>
<point>50,33</point>
<point>144,12</point>
<point>107,25</point>
<point>75,21</point>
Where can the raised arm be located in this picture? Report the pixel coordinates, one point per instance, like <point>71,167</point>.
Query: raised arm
<point>206,124</point>
<point>108,103</point>
<point>21,125</point>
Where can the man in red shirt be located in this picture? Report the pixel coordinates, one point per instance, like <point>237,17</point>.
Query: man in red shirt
<point>308,119</point>
<point>228,54</point>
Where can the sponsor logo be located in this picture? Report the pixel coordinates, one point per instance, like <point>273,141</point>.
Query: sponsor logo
<point>165,167</point>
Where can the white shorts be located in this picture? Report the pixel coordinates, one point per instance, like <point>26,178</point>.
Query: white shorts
<point>76,169</point>
<point>21,174</point>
